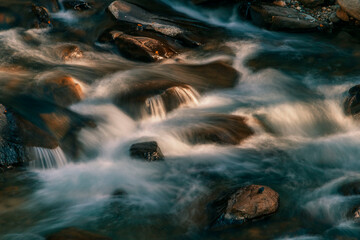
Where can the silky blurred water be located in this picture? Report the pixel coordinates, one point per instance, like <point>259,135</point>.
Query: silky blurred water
<point>291,92</point>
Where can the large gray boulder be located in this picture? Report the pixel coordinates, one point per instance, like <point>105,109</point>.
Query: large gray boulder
<point>352,7</point>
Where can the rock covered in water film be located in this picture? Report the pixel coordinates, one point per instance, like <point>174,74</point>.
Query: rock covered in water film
<point>249,203</point>
<point>220,129</point>
<point>351,188</point>
<point>76,5</point>
<point>252,202</point>
<point>76,234</point>
<point>148,151</point>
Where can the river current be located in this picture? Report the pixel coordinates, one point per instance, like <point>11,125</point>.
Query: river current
<point>291,91</point>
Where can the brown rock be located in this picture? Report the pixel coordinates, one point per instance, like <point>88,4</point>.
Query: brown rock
<point>342,15</point>
<point>69,52</point>
<point>62,90</point>
<point>76,234</point>
<point>351,7</point>
<point>142,48</point>
<point>252,202</point>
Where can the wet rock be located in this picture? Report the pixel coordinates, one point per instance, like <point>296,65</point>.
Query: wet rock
<point>42,15</point>
<point>76,234</point>
<point>354,213</point>
<point>62,90</point>
<point>352,188</point>
<point>312,3</point>
<point>148,151</point>
<point>76,5</point>
<point>352,7</point>
<point>283,19</point>
<point>133,19</point>
<point>11,148</point>
<point>247,204</point>
<point>352,101</point>
<point>118,193</point>
<point>142,48</point>
<point>219,129</point>
<point>341,14</point>
<point>69,52</point>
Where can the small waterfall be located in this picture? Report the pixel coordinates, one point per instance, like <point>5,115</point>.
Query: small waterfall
<point>47,158</point>
<point>157,106</point>
<point>187,95</point>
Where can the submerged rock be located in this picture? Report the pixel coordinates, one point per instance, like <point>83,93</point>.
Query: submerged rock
<point>142,48</point>
<point>352,7</point>
<point>312,3</point>
<point>148,151</point>
<point>248,203</point>
<point>75,234</point>
<point>352,101</point>
<point>220,129</point>
<point>282,18</point>
<point>352,188</point>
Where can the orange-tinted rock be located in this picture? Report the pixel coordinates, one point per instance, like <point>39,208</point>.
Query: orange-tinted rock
<point>76,234</point>
<point>69,52</point>
<point>42,15</point>
<point>63,90</point>
<point>342,15</point>
<point>142,48</point>
<point>252,202</point>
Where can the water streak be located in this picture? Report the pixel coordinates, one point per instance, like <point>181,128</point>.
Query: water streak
<point>48,158</point>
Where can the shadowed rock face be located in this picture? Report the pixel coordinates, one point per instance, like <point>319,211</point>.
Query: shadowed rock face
<point>219,129</point>
<point>42,15</point>
<point>352,188</point>
<point>148,151</point>
<point>11,148</point>
<point>76,234</point>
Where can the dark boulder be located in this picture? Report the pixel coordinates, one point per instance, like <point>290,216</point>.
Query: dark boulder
<point>42,17</point>
<point>11,149</point>
<point>283,19</point>
<point>148,151</point>
<point>352,101</point>
<point>142,48</point>
<point>351,188</point>
<point>220,129</point>
<point>248,203</point>
<point>75,234</point>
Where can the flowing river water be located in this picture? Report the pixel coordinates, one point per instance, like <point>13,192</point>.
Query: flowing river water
<point>291,91</point>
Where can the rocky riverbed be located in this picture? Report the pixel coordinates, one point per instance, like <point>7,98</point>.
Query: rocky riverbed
<point>174,119</point>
